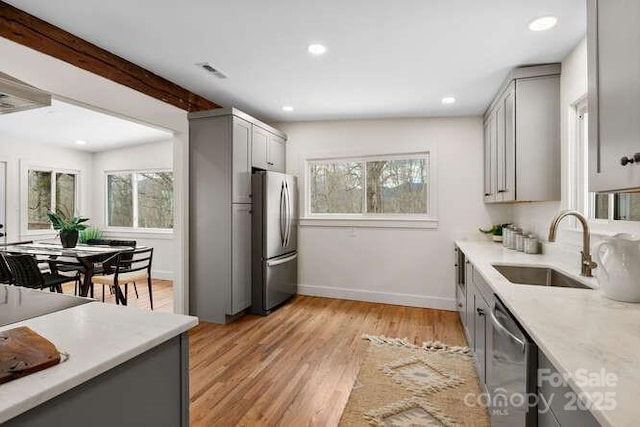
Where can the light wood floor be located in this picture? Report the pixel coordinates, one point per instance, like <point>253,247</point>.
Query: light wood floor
<point>162,295</point>
<point>296,367</point>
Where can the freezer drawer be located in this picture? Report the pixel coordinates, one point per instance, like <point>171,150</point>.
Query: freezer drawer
<point>281,278</point>
<point>274,283</point>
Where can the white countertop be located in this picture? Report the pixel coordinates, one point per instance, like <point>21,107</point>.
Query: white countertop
<point>97,337</point>
<point>575,328</point>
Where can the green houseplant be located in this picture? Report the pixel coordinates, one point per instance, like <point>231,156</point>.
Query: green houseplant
<point>68,227</point>
<point>90,233</point>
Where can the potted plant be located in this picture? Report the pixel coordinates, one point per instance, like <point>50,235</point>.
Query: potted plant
<point>495,231</point>
<point>68,227</point>
<point>90,233</point>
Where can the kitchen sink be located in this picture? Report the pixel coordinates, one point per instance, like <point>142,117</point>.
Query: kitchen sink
<point>542,276</point>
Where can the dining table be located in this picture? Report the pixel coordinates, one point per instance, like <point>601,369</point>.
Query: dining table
<point>82,255</point>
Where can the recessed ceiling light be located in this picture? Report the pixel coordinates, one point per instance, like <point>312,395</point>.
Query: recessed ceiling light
<point>317,49</point>
<point>81,142</point>
<point>287,108</point>
<point>544,23</point>
<point>448,100</point>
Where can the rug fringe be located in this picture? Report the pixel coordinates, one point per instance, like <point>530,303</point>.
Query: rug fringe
<point>427,345</point>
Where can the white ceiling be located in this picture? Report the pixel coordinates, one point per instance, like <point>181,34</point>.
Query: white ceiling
<point>62,124</point>
<point>385,58</point>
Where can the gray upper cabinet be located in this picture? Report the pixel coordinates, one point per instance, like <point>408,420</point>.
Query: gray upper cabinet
<point>260,148</point>
<point>614,94</point>
<point>241,180</point>
<point>276,157</point>
<point>522,138</point>
<point>268,150</point>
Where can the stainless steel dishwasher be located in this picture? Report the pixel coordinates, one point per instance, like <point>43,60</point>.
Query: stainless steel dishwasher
<point>512,379</point>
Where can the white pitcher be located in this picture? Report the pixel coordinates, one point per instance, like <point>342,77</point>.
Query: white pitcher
<point>618,271</point>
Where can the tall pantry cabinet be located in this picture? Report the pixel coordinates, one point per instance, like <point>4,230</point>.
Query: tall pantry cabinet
<point>221,143</point>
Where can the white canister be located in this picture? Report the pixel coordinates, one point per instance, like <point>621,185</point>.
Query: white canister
<point>531,244</point>
<point>520,242</point>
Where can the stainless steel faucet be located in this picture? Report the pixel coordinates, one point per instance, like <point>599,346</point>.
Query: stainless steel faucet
<point>587,264</point>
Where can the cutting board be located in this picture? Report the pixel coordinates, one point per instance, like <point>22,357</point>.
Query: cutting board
<point>23,352</point>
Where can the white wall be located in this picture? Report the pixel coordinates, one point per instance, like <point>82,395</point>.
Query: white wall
<point>402,266</point>
<point>537,217</point>
<point>76,85</point>
<point>157,155</point>
<point>18,156</point>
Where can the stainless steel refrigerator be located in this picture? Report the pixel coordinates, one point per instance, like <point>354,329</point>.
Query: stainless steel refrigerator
<point>275,240</point>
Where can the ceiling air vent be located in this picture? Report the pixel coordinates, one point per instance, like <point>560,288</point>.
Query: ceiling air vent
<point>208,68</point>
<point>16,95</point>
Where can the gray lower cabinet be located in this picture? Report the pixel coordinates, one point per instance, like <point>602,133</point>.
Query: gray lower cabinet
<point>151,389</point>
<point>614,94</point>
<point>559,402</point>
<point>522,138</point>
<point>241,258</point>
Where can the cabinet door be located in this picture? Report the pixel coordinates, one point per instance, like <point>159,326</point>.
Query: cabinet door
<point>470,316</point>
<point>488,163</point>
<point>508,184</point>
<point>276,158</point>
<point>500,171</point>
<point>259,148</point>
<point>480,342</point>
<point>614,93</point>
<point>240,258</point>
<point>241,180</point>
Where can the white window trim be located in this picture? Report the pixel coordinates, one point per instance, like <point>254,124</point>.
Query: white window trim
<point>428,221</point>
<point>579,196</point>
<point>142,231</point>
<point>25,167</point>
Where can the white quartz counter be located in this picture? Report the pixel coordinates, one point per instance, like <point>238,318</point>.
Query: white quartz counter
<point>577,329</point>
<point>97,337</point>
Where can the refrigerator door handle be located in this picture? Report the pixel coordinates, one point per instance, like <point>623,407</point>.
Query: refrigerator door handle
<point>288,233</point>
<point>282,260</point>
<point>283,219</point>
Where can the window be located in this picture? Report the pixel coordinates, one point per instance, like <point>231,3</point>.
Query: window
<point>49,190</point>
<point>141,199</point>
<point>380,186</point>
<point>600,206</point>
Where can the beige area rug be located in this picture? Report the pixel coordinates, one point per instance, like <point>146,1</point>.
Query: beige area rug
<point>401,384</point>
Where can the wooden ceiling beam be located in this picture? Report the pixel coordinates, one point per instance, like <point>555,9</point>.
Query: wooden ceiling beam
<point>25,29</point>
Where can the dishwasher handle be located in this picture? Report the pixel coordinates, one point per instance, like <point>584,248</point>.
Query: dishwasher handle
<point>498,325</point>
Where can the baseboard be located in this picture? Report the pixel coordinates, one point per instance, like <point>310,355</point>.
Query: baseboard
<point>162,274</point>
<point>380,297</point>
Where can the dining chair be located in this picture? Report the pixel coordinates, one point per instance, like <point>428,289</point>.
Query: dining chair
<point>126,267</point>
<point>5,274</point>
<point>26,273</point>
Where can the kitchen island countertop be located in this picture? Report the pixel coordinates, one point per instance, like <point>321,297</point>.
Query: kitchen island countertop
<point>97,337</point>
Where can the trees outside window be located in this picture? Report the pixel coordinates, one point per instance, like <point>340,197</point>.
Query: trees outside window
<point>49,190</point>
<point>141,199</point>
<point>377,186</point>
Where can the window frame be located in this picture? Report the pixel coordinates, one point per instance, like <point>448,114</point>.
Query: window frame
<point>581,198</point>
<point>135,229</point>
<point>365,219</point>
<point>24,194</point>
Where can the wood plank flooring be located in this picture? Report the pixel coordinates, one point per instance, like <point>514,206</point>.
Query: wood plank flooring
<point>162,295</point>
<point>296,367</point>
